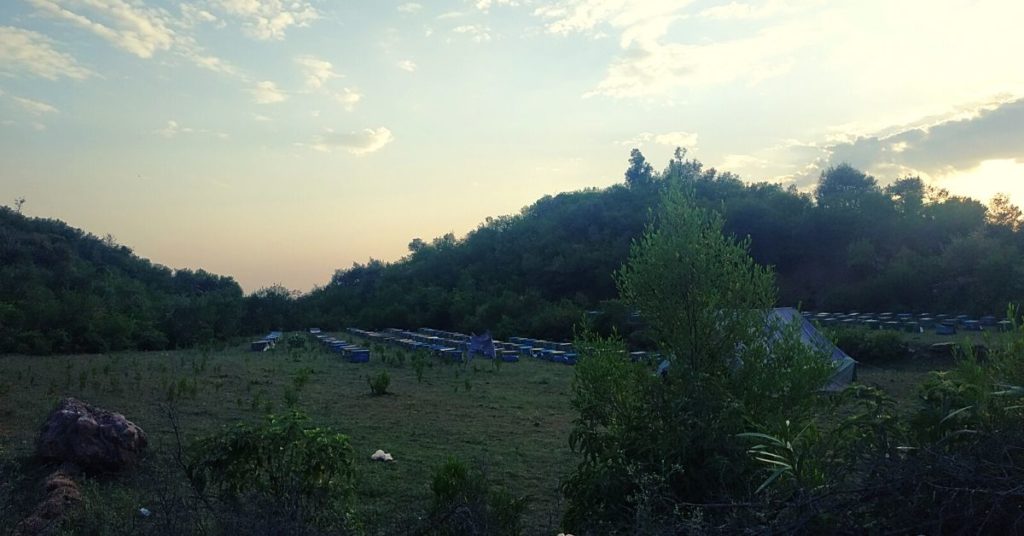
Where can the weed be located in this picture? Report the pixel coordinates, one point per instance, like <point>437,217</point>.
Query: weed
<point>379,383</point>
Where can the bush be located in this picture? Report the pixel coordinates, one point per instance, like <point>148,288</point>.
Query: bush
<point>870,346</point>
<point>465,504</point>
<point>296,341</point>
<point>650,442</point>
<point>280,476</point>
<point>379,383</point>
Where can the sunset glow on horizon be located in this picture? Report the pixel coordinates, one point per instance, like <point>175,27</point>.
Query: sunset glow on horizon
<point>277,141</point>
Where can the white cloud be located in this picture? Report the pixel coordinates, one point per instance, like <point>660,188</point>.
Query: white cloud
<point>266,92</point>
<point>410,7</point>
<point>316,70</point>
<point>269,19</point>
<point>261,118</point>
<point>407,65</point>
<point>686,140</point>
<point>653,64</point>
<point>192,15</point>
<point>27,52</point>
<point>34,107</point>
<point>744,10</point>
<point>137,29</point>
<point>484,5</point>
<point>348,97</point>
<point>358,143</point>
<point>477,32</point>
<point>172,129</point>
<point>210,63</point>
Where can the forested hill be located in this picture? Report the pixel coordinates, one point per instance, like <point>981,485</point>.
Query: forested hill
<point>62,290</point>
<point>850,244</point>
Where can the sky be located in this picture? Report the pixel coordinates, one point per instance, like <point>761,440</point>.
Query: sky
<point>276,141</point>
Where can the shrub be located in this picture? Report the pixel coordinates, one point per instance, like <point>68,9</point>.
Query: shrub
<point>379,383</point>
<point>280,476</point>
<point>419,364</point>
<point>296,341</point>
<point>870,346</point>
<point>465,504</point>
<point>649,442</point>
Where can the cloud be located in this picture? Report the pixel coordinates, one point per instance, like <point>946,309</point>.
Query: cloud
<point>192,15</point>
<point>358,143</point>
<point>316,71</point>
<point>266,92</point>
<point>939,148</point>
<point>348,97</point>
<point>652,64</point>
<point>269,19</point>
<point>172,129</point>
<point>744,10</point>
<point>27,52</point>
<point>687,140</point>
<point>484,5</point>
<point>479,33</point>
<point>139,30</point>
<point>34,107</point>
<point>409,7</point>
<point>407,65</point>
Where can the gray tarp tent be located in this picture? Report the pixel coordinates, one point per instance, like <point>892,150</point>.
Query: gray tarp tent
<point>846,368</point>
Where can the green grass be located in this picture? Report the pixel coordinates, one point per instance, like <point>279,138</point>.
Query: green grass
<point>512,421</point>
<point>901,376</point>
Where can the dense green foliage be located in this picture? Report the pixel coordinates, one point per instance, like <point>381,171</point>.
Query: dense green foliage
<point>649,442</point>
<point>869,346</point>
<point>851,244</point>
<point>465,504</point>
<point>735,436</point>
<point>281,476</point>
<point>62,290</point>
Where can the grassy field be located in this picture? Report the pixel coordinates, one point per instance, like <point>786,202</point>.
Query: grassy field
<point>512,421</point>
<point>901,375</point>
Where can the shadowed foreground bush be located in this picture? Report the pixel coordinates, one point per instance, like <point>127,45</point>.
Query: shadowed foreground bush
<point>465,504</point>
<point>281,476</point>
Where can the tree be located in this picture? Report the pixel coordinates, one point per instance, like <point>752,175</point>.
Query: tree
<point>640,172</point>
<point>843,186</point>
<point>416,244</point>
<point>1003,213</point>
<point>908,194</point>
<point>650,442</point>
<point>699,290</point>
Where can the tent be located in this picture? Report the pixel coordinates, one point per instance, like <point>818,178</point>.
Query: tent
<point>845,366</point>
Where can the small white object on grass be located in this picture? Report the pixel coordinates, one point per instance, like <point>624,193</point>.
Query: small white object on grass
<point>144,512</point>
<point>381,456</point>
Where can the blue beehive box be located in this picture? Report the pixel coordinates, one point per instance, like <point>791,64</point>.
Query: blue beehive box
<point>359,355</point>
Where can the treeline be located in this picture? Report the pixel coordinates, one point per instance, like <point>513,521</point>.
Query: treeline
<point>65,291</point>
<point>849,244</point>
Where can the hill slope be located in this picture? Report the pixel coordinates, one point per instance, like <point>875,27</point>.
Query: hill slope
<point>852,244</point>
<point>63,290</point>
